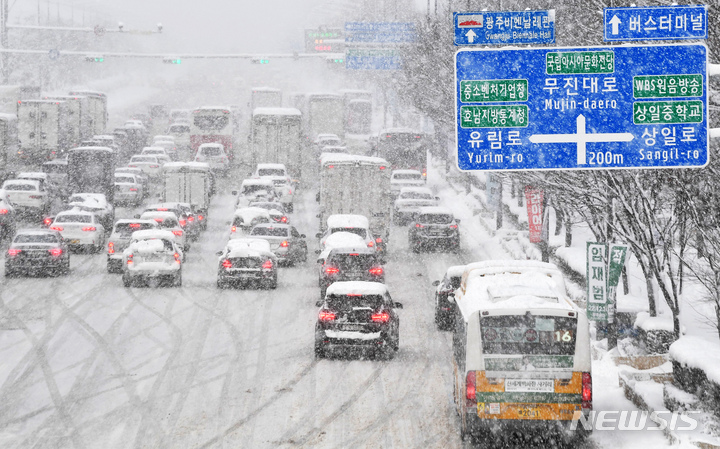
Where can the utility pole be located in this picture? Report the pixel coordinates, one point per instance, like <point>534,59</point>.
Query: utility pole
<point>4,41</point>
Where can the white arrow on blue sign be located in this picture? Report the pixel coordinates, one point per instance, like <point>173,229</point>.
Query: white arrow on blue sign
<point>582,108</point>
<point>656,23</point>
<point>504,27</point>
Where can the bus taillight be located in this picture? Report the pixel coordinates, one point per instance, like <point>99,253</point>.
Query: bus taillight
<point>586,390</point>
<point>470,381</point>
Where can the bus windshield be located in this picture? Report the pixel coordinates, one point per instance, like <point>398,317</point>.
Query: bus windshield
<point>528,334</point>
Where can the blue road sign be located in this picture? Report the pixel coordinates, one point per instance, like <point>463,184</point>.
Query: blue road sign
<point>372,59</point>
<point>504,27</point>
<point>379,32</point>
<point>656,23</point>
<point>582,108</point>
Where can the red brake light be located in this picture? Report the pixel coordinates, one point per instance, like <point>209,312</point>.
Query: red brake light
<point>159,220</point>
<point>129,259</point>
<point>111,248</point>
<point>283,219</point>
<point>378,240</point>
<point>134,225</point>
<point>191,218</point>
<point>154,166</point>
<point>3,211</point>
<point>382,317</point>
<point>177,232</point>
<point>284,244</point>
<point>56,228</point>
<point>162,209</point>
<point>331,270</point>
<point>55,251</point>
<point>376,271</point>
<point>47,221</point>
<point>227,263</point>
<point>371,244</point>
<point>89,228</point>
<point>586,390</point>
<point>418,225</point>
<point>200,217</point>
<point>267,265</point>
<point>178,259</point>
<point>129,165</point>
<point>470,380</point>
<point>233,229</point>
<point>325,315</point>
<point>382,167</point>
<point>14,252</point>
<point>183,223</point>
<point>133,189</point>
<point>453,226</point>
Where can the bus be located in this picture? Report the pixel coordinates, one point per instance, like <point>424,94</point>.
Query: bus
<point>358,117</point>
<point>403,148</point>
<point>91,170</point>
<point>276,137</point>
<point>265,97</point>
<point>325,115</point>
<point>211,124</point>
<point>521,351</point>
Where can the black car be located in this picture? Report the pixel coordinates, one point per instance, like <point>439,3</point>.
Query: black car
<point>444,305</point>
<point>434,228</point>
<point>358,315</point>
<point>351,264</point>
<point>7,219</point>
<point>37,251</point>
<point>247,261</point>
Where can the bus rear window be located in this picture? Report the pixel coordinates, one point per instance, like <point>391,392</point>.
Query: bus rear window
<point>211,122</point>
<point>528,334</point>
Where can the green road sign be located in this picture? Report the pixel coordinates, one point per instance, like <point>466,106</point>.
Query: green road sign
<point>580,62</point>
<point>656,112</point>
<point>477,91</point>
<point>503,116</point>
<point>616,261</point>
<point>667,86</point>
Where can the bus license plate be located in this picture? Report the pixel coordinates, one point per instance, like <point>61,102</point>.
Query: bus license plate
<point>528,412</point>
<point>530,385</point>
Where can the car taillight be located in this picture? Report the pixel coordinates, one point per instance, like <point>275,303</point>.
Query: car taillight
<point>162,209</point>
<point>47,221</point>
<point>586,390</point>
<point>424,172</point>
<point>284,244</point>
<point>382,317</point>
<point>233,229</point>
<point>378,240</point>
<point>154,166</point>
<point>227,263</point>
<point>3,211</point>
<point>371,244</point>
<point>111,248</point>
<point>326,315</point>
<point>36,197</point>
<point>56,228</point>
<point>453,226</point>
<point>159,220</point>
<point>183,223</point>
<point>129,259</point>
<point>191,218</point>
<point>89,228</point>
<point>177,232</point>
<point>418,225</point>
<point>289,192</point>
<point>376,271</point>
<point>283,219</point>
<point>14,252</point>
<point>470,380</point>
<point>267,265</point>
<point>178,259</point>
<point>200,217</point>
<point>134,225</point>
<point>133,189</point>
<point>132,166</point>
<point>331,270</point>
<point>55,251</point>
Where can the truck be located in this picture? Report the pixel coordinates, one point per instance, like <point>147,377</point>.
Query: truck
<point>188,182</point>
<point>276,137</point>
<point>325,115</point>
<point>91,170</point>
<point>78,116</point>
<point>8,143</point>
<point>354,184</point>
<point>11,94</point>
<point>265,97</point>
<point>97,108</point>
<point>43,130</point>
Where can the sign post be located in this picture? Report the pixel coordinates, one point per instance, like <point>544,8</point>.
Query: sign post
<point>582,108</point>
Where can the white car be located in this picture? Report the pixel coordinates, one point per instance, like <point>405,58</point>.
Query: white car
<point>161,137</point>
<point>150,165</point>
<point>409,202</point>
<point>244,219</point>
<point>168,221</point>
<point>80,228</point>
<point>95,203</point>
<point>170,148</point>
<point>181,134</point>
<point>161,153</point>
<point>340,239</point>
<point>214,155</point>
<point>27,195</point>
<point>405,178</point>
<point>128,189</point>
<point>356,224</point>
<point>324,140</point>
<point>153,255</point>
<point>255,190</point>
<point>139,175</point>
<point>120,239</point>
<point>278,174</point>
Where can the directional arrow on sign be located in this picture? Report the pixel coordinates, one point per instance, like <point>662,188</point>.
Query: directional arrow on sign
<point>471,36</point>
<point>581,138</point>
<point>615,22</point>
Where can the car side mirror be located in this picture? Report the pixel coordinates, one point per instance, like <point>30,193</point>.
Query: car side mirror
<point>318,235</point>
<point>319,303</point>
<point>218,253</point>
<point>436,283</point>
<point>457,220</point>
<point>317,251</point>
<point>437,198</point>
<point>302,236</point>
<point>234,192</point>
<point>397,305</point>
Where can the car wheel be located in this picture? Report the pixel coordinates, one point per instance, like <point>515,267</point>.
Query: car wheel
<point>66,269</point>
<point>290,207</point>
<point>396,342</point>
<point>9,273</point>
<point>222,285</point>
<point>127,282</point>
<point>177,282</point>
<point>320,351</point>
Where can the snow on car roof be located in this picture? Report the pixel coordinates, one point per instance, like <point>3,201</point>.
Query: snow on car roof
<point>356,287</point>
<point>74,211</point>
<point>258,182</point>
<point>152,148</point>
<point>267,165</point>
<point>144,158</point>
<point>93,148</point>
<point>177,166</point>
<point>406,172</point>
<point>338,158</point>
<point>435,210</point>
<point>248,248</point>
<point>88,199</point>
<point>248,213</point>
<point>455,270</point>
<point>416,190</point>
<point>163,137</point>
<point>164,214</point>
<point>32,174</point>
<point>212,145</point>
<point>276,111</point>
<point>153,234</point>
<point>347,221</point>
<point>32,182</point>
<point>148,246</point>
<point>135,220</point>
<point>343,239</point>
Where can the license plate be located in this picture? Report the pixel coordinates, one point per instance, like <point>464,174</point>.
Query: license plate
<point>530,385</point>
<point>353,327</point>
<point>74,241</point>
<point>528,412</point>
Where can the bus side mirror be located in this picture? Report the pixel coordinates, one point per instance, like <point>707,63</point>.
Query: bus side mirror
<point>436,283</point>
<point>318,303</point>
<point>397,305</point>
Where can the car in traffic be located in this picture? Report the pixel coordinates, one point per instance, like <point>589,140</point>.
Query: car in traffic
<point>170,148</point>
<point>80,229</point>
<point>276,210</point>
<point>434,228</point>
<point>246,218</point>
<point>168,221</point>
<point>255,190</point>
<point>181,134</point>
<point>37,251</point>
<point>285,241</point>
<point>247,261</point>
<point>356,224</point>
<point>95,203</point>
<point>120,238</point>
<point>153,257</point>
<point>351,264</point>
<point>189,220</point>
<point>338,240</point>
<point>445,297</point>
<point>357,315</point>
<point>405,178</point>
<point>150,165</point>
<point>409,202</point>
<point>139,175</point>
<point>128,189</point>
<point>160,152</point>
<point>278,174</point>
<point>214,155</point>
<point>27,196</point>
<point>8,219</point>
<point>324,140</point>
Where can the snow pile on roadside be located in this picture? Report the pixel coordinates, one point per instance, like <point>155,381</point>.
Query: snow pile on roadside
<point>654,323</point>
<point>697,352</point>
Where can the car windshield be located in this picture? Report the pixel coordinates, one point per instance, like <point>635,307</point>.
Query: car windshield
<point>270,231</point>
<point>126,180</point>
<point>362,232</point>
<point>179,129</point>
<point>144,159</point>
<point>253,188</point>
<point>211,151</point>
<point>20,187</point>
<point>126,229</point>
<point>271,172</point>
<point>435,218</point>
<point>36,238</point>
<point>211,122</point>
<point>349,302</point>
<point>406,176</point>
<point>79,218</point>
<point>353,261</point>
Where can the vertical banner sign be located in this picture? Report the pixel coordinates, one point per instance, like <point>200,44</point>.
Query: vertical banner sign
<point>616,261</point>
<point>492,191</point>
<point>597,307</point>
<point>534,200</point>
